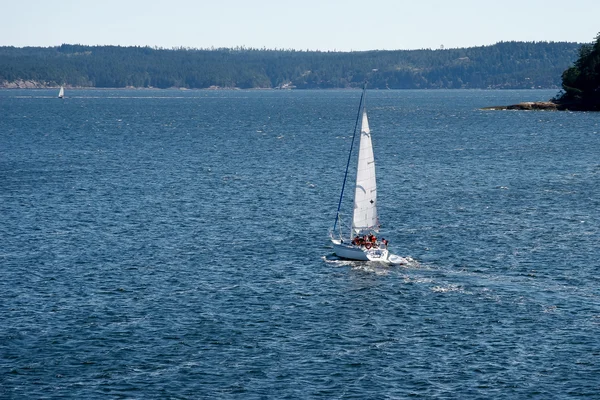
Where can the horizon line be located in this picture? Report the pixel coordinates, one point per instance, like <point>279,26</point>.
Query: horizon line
<point>245,48</point>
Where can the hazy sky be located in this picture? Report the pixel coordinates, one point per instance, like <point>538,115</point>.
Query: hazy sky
<point>303,24</point>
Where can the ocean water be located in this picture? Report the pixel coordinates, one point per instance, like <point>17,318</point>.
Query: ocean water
<point>173,244</point>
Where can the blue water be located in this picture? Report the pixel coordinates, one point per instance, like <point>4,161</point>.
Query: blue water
<point>173,244</point>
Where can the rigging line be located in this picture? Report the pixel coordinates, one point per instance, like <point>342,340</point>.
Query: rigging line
<point>337,214</point>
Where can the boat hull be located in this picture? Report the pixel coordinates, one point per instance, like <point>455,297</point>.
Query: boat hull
<point>351,252</point>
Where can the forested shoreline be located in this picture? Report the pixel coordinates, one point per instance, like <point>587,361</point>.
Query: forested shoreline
<point>580,85</point>
<point>505,65</point>
<point>581,82</point>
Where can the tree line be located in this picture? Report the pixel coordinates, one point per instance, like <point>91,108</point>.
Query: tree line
<point>515,65</point>
<point>581,82</point>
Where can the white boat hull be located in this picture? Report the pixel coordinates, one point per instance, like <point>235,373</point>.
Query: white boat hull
<point>351,252</point>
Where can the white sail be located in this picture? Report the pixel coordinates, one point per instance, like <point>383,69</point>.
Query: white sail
<point>61,92</point>
<point>365,193</point>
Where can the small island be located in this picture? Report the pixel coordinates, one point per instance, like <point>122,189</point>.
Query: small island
<point>580,85</point>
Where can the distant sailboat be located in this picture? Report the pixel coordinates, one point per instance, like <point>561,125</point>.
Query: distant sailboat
<point>362,244</point>
<point>61,93</point>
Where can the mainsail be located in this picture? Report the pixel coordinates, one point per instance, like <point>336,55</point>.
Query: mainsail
<point>365,193</point>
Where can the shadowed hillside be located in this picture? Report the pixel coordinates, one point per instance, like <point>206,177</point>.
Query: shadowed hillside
<point>503,65</point>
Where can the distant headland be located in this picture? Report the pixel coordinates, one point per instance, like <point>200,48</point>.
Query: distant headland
<point>504,65</point>
<point>580,85</point>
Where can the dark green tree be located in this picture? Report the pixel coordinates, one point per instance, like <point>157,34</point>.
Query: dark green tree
<point>581,82</point>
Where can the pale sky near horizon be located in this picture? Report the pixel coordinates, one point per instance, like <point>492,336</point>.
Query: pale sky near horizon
<point>341,25</point>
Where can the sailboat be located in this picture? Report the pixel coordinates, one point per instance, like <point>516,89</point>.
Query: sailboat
<point>61,93</point>
<point>361,242</point>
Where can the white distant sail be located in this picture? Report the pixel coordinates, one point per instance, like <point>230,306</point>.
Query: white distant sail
<point>61,93</point>
<point>365,193</point>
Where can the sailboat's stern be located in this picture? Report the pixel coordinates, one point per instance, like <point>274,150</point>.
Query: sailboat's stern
<point>378,255</point>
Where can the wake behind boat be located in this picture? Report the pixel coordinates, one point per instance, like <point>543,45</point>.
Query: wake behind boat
<point>362,243</point>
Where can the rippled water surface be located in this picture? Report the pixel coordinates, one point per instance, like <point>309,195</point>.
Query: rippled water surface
<point>173,244</point>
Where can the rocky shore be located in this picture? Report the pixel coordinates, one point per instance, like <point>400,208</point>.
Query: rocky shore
<point>530,105</point>
<point>25,84</point>
<point>548,106</point>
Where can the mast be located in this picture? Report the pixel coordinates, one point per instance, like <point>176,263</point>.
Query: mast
<point>360,104</point>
